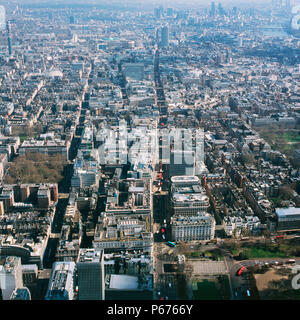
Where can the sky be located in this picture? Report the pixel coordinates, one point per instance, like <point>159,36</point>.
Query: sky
<point>153,3</point>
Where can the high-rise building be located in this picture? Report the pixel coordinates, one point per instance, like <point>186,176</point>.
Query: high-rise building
<point>61,283</point>
<point>165,36</point>
<point>169,12</point>
<point>157,35</point>
<point>157,13</point>
<point>2,18</point>
<point>91,278</point>
<point>10,276</point>
<point>161,9</point>
<point>8,28</point>
<point>182,163</point>
<point>213,9</point>
<point>21,294</point>
<point>220,9</point>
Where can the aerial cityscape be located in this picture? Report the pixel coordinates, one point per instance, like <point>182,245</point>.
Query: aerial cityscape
<point>150,150</point>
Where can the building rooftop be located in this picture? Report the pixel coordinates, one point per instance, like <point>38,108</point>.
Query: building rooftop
<point>291,211</point>
<point>90,255</point>
<point>123,282</point>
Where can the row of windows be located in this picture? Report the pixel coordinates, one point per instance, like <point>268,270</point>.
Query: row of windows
<point>121,244</point>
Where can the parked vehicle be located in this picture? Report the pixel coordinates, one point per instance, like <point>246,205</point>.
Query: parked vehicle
<point>240,271</point>
<point>171,244</point>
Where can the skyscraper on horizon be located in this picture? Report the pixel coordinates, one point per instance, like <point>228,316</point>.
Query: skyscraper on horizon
<point>2,17</point>
<point>8,28</point>
<point>157,13</point>
<point>213,9</point>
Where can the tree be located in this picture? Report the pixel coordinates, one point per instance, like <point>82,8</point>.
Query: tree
<point>286,193</point>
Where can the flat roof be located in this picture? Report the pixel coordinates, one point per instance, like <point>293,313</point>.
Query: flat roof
<point>90,255</point>
<point>287,211</point>
<point>123,282</point>
<point>184,178</point>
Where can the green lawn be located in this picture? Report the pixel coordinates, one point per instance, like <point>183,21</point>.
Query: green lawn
<point>293,137</point>
<point>281,139</point>
<point>196,254</point>
<point>253,253</point>
<point>265,253</point>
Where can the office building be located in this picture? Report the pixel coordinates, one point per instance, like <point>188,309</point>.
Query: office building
<point>48,147</point>
<point>169,12</point>
<point>220,9</point>
<point>189,204</point>
<point>184,181</point>
<point>21,294</point>
<point>157,13</point>
<point>198,227</point>
<point>165,36</point>
<point>2,17</point>
<point>188,198</point>
<point>157,35</point>
<point>182,163</point>
<point>288,218</point>
<point>213,9</point>
<point>8,28</point>
<point>128,287</point>
<point>10,276</point>
<point>90,266</point>
<point>61,283</point>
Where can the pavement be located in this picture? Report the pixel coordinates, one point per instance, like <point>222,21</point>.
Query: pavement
<point>208,267</point>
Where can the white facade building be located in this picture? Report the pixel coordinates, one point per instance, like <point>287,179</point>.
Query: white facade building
<point>10,276</point>
<point>198,227</point>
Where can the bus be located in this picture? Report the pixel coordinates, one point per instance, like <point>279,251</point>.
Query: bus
<point>291,261</point>
<point>171,244</point>
<point>240,271</point>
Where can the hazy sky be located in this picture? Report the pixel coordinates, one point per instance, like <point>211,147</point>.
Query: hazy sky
<point>149,3</point>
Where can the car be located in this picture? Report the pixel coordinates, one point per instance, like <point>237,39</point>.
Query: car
<point>170,284</point>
